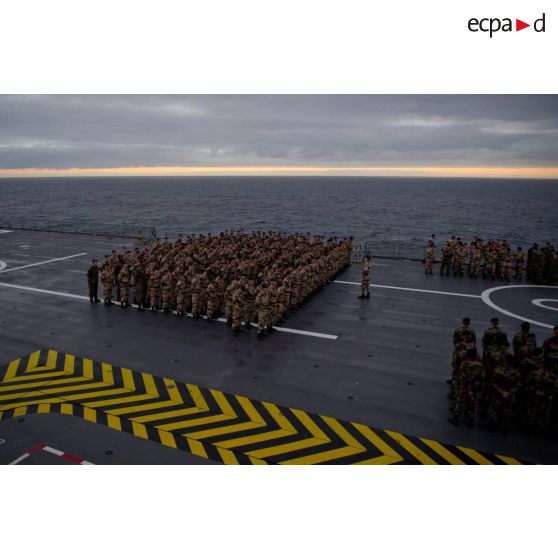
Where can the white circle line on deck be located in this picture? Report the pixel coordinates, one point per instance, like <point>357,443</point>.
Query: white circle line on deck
<point>485,295</point>
<point>410,289</point>
<point>82,297</point>
<point>541,303</point>
<point>3,265</point>
<point>41,263</point>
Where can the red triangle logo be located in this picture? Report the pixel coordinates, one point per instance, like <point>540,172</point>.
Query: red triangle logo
<point>519,25</point>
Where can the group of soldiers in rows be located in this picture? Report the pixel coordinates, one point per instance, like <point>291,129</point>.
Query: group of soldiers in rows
<point>518,389</point>
<point>494,259</point>
<point>263,274</point>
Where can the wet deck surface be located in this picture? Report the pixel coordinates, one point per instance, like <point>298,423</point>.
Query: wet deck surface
<point>386,368</point>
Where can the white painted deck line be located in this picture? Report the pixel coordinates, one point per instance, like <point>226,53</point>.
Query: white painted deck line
<point>221,320</point>
<point>410,289</point>
<point>42,263</point>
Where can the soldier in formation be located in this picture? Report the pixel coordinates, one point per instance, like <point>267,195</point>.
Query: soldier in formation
<point>262,276</point>
<point>514,390</point>
<point>494,259</point>
<point>429,257</point>
<point>93,282</point>
<point>107,277</point>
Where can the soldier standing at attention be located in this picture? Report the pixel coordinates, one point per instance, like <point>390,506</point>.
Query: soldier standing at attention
<point>519,262</point>
<point>471,377</point>
<point>106,279</point>
<point>464,338</point>
<point>166,287</point>
<point>154,284</point>
<point>262,309</point>
<point>524,344</point>
<point>494,344</point>
<point>465,333</point>
<point>196,289</point>
<point>476,255</point>
<point>365,280</point>
<point>237,309</point>
<point>429,258</point>
<point>228,301</point>
<point>490,264</point>
<point>180,284</point>
<point>212,301</point>
<point>249,301</point>
<point>272,296</point>
<point>93,282</point>
<point>123,285</point>
<point>139,285</point>
<point>446,258</point>
<point>459,258</point>
<point>506,264</point>
<point>505,386</point>
<point>492,339</point>
<point>539,390</point>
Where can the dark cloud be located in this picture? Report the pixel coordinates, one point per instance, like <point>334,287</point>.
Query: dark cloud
<point>362,130</point>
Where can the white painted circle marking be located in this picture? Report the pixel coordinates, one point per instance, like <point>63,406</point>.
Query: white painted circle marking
<point>485,296</point>
<point>541,302</point>
<point>3,265</point>
<point>2,441</point>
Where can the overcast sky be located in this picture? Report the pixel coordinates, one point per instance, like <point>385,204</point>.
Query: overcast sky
<point>61,132</point>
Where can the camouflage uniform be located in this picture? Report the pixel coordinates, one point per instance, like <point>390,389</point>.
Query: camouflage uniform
<point>249,304</point>
<point>153,288</point>
<point>465,334</point>
<point>166,289</point>
<point>524,344</point>
<point>429,260</point>
<point>506,264</point>
<point>365,279</point>
<point>505,386</point>
<point>458,259</point>
<point>519,263</point>
<point>212,301</point>
<point>228,301</point>
<point>459,353</point>
<point>139,285</point>
<point>490,264</point>
<point>237,308</point>
<point>474,266</point>
<point>494,343</point>
<point>93,283</point>
<point>445,264</point>
<point>196,290</point>
<point>124,285</point>
<point>262,309</point>
<point>540,389</point>
<point>471,377</point>
<point>106,279</point>
<point>179,288</point>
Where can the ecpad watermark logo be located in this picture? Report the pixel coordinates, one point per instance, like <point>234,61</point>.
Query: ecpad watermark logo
<point>495,25</point>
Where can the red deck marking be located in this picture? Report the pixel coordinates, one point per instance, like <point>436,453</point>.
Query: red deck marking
<point>54,451</point>
<point>73,458</point>
<point>35,449</point>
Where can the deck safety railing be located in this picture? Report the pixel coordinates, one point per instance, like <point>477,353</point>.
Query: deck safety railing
<point>361,246</point>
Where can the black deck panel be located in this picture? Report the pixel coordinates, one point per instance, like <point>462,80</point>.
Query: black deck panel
<point>387,368</point>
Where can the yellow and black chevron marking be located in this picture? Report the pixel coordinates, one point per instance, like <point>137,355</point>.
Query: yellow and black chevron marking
<point>228,428</point>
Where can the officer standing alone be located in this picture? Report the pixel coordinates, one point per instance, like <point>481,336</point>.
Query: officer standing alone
<point>365,281</point>
<point>93,282</point>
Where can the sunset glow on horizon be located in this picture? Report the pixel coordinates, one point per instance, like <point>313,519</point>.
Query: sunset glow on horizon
<point>462,172</point>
